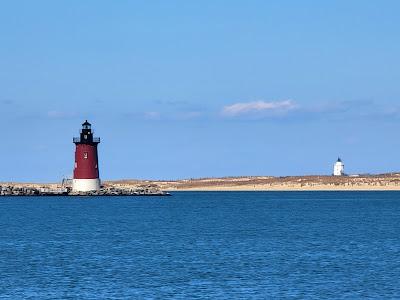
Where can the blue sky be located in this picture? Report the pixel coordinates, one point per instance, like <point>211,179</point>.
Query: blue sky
<point>185,89</point>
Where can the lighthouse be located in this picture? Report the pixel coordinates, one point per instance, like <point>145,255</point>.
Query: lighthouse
<point>338,169</point>
<point>86,169</point>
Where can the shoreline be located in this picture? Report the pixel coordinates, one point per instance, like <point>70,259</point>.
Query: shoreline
<point>397,189</point>
<point>382,182</point>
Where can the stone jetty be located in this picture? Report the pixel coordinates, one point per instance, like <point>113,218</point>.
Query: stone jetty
<point>144,190</point>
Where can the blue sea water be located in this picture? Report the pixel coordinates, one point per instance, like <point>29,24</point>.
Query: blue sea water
<point>226,245</point>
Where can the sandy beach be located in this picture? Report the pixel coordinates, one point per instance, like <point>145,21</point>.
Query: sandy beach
<point>383,182</point>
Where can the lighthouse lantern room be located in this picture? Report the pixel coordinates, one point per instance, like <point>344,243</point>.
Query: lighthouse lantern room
<point>86,169</point>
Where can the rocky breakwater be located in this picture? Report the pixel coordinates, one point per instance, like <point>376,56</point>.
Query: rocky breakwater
<point>143,190</point>
<point>11,190</point>
<point>21,190</point>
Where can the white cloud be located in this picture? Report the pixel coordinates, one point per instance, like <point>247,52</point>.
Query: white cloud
<point>244,108</point>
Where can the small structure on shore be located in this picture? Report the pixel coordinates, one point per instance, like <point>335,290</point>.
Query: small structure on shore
<point>86,170</point>
<point>338,169</point>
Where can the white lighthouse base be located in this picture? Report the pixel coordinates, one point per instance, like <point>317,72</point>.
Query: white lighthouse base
<point>85,185</point>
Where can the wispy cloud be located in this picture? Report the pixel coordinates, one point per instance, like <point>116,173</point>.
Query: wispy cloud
<point>257,107</point>
<point>7,102</point>
<point>54,114</point>
<point>152,115</point>
<point>172,116</point>
<point>172,102</point>
<point>188,115</point>
<point>285,110</point>
<point>349,110</point>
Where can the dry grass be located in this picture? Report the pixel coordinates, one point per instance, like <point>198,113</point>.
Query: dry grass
<point>255,183</point>
<point>262,183</point>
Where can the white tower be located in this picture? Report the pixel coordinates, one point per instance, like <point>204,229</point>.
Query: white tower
<point>338,169</point>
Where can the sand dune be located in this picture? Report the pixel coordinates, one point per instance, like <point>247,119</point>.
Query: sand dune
<point>267,183</point>
<point>383,182</point>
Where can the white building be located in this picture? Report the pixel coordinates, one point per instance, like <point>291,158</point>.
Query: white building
<point>338,169</point>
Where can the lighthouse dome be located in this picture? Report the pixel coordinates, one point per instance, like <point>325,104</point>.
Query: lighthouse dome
<point>86,125</point>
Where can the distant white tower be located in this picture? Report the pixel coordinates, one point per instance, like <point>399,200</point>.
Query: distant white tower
<point>338,169</point>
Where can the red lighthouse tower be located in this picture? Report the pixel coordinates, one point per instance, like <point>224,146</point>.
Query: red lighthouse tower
<point>86,170</point>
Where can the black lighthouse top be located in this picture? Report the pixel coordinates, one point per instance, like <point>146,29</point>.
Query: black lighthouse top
<point>86,136</point>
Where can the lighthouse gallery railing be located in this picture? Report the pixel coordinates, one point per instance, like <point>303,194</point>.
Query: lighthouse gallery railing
<point>78,140</point>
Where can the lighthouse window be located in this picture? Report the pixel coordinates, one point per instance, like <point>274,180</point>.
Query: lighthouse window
<point>85,155</point>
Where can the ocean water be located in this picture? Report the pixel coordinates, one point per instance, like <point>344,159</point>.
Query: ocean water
<point>233,245</point>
